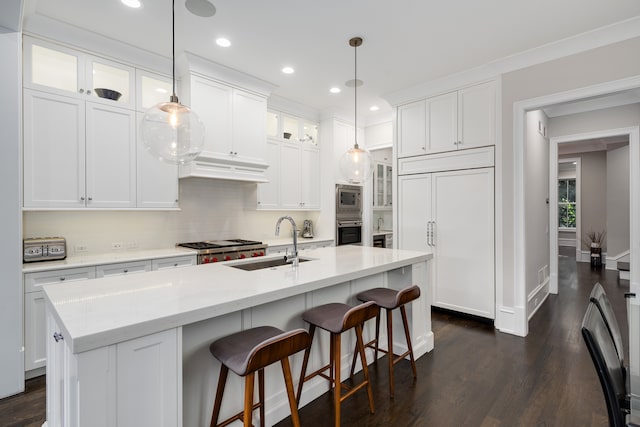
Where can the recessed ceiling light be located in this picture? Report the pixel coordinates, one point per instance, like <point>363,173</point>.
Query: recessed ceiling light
<point>221,41</point>
<point>132,3</point>
<point>288,70</point>
<point>374,108</point>
<point>335,90</point>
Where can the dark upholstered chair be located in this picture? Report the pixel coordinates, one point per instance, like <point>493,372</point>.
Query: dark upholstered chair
<point>252,350</point>
<point>605,359</point>
<point>390,299</point>
<point>600,299</point>
<point>337,318</point>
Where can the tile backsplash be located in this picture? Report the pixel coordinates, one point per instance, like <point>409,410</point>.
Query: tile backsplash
<point>209,209</point>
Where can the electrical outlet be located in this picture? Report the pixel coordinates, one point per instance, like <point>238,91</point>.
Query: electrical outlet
<point>116,246</point>
<point>132,245</point>
<point>80,248</point>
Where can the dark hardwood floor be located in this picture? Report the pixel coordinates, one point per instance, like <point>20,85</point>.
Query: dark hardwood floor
<point>475,376</point>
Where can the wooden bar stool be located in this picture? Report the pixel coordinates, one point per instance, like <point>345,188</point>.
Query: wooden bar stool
<point>252,350</point>
<point>390,299</point>
<point>337,318</point>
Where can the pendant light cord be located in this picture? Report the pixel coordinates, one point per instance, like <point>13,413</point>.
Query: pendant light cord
<point>355,93</point>
<point>174,98</point>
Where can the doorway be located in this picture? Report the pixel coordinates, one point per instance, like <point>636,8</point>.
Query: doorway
<point>520,109</point>
<point>588,144</point>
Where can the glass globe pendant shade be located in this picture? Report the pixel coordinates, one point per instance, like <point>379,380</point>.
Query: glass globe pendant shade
<point>172,133</point>
<point>355,165</point>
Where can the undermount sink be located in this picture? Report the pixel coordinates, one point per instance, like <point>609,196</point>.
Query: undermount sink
<point>268,263</point>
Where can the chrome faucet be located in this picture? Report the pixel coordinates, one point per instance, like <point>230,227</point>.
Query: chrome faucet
<point>293,258</point>
<point>380,219</point>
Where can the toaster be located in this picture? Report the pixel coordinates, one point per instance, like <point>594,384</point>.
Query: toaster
<point>44,249</point>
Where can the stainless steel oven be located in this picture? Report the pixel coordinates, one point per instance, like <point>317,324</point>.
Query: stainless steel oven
<point>348,231</point>
<point>348,200</point>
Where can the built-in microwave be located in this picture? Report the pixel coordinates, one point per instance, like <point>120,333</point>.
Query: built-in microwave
<point>348,199</point>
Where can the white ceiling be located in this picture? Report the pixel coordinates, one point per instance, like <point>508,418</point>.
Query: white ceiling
<point>406,42</point>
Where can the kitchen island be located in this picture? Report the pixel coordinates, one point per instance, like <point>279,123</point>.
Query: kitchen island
<point>133,350</point>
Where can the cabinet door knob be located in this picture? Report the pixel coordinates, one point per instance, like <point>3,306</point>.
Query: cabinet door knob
<point>57,336</point>
<point>62,279</point>
<point>90,198</point>
<point>82,198</point>
<point>81,91</point>
<point>126,271</point>
<point>88,92</point>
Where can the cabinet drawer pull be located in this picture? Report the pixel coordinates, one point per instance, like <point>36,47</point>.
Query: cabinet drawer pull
<point>62,279</point>
<point>57,336</point>
<point>126,271</point>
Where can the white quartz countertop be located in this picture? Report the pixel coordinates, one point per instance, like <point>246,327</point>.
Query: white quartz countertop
<point>109,310</point>
<point>106,258</point>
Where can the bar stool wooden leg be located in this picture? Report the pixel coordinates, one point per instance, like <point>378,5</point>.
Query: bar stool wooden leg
<point>222,380</point>
<point>403,311</point>
<point>248,399</point>
<point>261,395</point>
<point>305,362</point>
<point>390,354</point>
<point>375,357</point>
<point>365,368</point>
<point>335,356</point>
<point>288,382</point>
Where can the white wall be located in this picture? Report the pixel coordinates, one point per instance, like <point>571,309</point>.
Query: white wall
<point>617,201</point>
<point>11,355</point>
<point>603,64</point>
<point>608,118</point>
<point>536,172</point>
<point>593,192</point>
<point>210,209</point>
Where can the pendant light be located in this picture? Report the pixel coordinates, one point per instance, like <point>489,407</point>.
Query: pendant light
<point>171,131</point>
<point>355,165</point>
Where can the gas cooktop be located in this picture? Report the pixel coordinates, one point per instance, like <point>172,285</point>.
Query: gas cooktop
<point>215,244</point>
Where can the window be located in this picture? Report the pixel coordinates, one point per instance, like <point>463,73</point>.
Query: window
<point>567,203</point>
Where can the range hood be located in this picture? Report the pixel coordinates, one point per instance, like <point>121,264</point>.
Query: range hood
<point>233,108</point>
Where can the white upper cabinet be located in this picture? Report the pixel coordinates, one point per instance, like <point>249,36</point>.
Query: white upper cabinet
<point>212,102</point>
<point>81,150</point>
<point>249,123</point>
<point>111,157</point>
<point>457,120</point>
<point>294,164</point>
<point>477,116</point>
<point>54,151</point>
<point>151,89</point>
<point>64,71</point>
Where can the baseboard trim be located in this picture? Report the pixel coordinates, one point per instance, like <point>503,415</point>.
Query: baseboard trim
<point>537,297</point>
<point>511,320</point>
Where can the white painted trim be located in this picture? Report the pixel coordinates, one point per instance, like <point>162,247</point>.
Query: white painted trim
<point>567,242</point>
<point>519,110</point>
<point>603,36</point>
<point>553,208</point>
<point>536,293</point>
<point>612,261</point>
<point>509,320</point>
<point>498,201</point>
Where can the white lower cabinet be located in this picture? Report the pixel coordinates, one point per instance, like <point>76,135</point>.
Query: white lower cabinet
<point>34,304</point>
<point>452,215</point>
<point>175,262</point>
<point>123,268</point>
<point>133,383</point>
<point>34,317</point>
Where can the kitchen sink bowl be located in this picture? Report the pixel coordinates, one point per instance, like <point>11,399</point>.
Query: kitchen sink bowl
<point>267,263</point>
